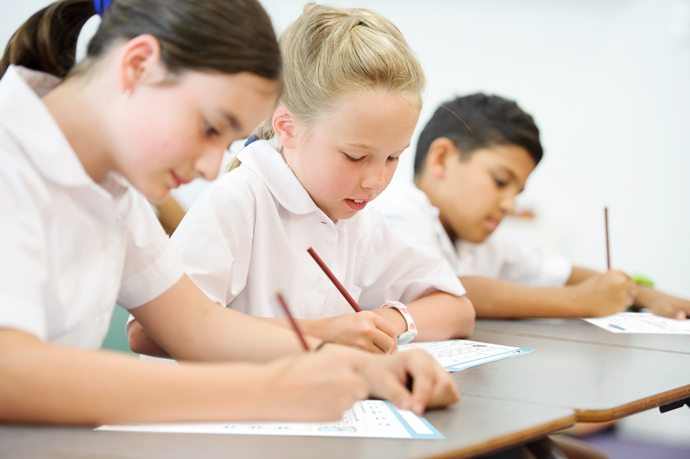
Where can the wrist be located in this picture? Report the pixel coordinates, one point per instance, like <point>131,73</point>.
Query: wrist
<point>410,327</point>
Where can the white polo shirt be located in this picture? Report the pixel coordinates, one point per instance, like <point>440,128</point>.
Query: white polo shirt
<point>409,212</point>
<point>69,248</point>
<point>246,238</point>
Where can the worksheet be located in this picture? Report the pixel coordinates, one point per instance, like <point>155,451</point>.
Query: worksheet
<point>459,354</point>
<point>369,418</point>
<point>641,322</point>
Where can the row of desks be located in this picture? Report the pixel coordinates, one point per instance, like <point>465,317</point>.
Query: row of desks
<point>578,372</point>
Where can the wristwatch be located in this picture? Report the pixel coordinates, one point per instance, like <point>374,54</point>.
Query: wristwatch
<point>406,336</point>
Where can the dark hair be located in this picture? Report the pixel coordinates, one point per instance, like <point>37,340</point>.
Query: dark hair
<point>227,36</point>
<point>479,121</point>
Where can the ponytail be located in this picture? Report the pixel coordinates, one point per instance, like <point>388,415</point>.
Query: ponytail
<point>48,40</point>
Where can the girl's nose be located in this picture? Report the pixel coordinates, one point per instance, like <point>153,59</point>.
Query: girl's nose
<point>208,164</point>
<point>375,179</point>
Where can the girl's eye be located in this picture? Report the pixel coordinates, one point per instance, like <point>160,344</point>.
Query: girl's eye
<point>393,158</point>
<point>210,130</point>
<point>354,160</point>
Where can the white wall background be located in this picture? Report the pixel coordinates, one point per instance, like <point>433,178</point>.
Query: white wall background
<point>609,85</point>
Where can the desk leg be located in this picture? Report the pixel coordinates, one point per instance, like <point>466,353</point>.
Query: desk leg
<point>674,405</point>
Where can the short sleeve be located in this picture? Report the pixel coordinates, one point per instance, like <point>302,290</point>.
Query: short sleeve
<point>214,240</point>
<point>23,255</point>
<point>509,259</point>
<point>152,265</point>
<point>392,269</point>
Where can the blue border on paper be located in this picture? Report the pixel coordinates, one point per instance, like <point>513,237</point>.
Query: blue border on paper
<point>483,360</point>
<point>435,433</point>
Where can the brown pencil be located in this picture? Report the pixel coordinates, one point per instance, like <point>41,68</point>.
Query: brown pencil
<point>333,279</point>
<point>608,250</point>
<point>282,302</point>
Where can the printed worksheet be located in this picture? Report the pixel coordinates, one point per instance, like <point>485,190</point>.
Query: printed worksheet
<point>459,354</point>
<point>369,418</point>
<point>640,322</point>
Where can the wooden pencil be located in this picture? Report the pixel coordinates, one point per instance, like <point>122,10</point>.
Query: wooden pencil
<point>282,302</point>
<point>333,279</point>
<point>608,250</point>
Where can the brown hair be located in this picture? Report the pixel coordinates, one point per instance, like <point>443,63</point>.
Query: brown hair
<point>227,36</point>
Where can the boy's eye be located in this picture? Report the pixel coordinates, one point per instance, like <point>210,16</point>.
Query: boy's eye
<point>393,158</point>
<point>500,183</point>
<point>354,160</point>
<point>210,130</point>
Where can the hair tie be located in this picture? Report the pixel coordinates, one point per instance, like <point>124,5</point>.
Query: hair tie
<point>251,139</point>
<point>101,6</point>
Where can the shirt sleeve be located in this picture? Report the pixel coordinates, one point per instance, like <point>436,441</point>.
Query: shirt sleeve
<point>392,269</point>
<point>23,255</point>
<point>503,257</point>
<point>214,240</point>
<point>152,265</point>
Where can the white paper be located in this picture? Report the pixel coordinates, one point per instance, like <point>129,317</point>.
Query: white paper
<point>459,354</point>
<point>369,418</point>
<point>639,322</point>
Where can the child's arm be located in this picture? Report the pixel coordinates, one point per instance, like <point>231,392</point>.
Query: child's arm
<point>594,295</point>
<point>457,315</point>
<point>44,383</point>
<point>662,304</point>
<point>189,326</point>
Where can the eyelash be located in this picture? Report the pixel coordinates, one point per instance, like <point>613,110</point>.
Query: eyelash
<point>210,130</point>
<point>356,160</point>
<point>500,183</point>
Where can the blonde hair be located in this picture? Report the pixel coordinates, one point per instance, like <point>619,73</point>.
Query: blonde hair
<point>329,52</point>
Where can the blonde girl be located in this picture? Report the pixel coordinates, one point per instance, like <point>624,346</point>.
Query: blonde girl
<point>351,100</point>
<point>166,85</point>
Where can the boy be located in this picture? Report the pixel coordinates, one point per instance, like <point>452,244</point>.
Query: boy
<point>473,158</point>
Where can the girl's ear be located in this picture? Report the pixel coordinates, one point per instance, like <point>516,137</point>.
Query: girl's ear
<point>140,62</point>
<point>284,127</point>
<point>440,152</point>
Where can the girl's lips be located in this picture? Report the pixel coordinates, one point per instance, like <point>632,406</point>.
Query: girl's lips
<point>493,223</point>
<point>177,180</point>
<point>356,205</point>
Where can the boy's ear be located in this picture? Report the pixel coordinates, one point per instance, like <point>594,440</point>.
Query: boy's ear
<point>440,151</point>
<point>140,63</point>
<point>284,127</point>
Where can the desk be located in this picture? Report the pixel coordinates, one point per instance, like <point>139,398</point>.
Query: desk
<point>474,426</point>
<point>600,382</point>
<point>578,330</point>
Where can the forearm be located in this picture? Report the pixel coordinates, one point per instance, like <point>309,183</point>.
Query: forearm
<point>579,274</point>
<point>189,326</point>
<point>44,383</point>
<point>439,316</point>
<point>496,299</point>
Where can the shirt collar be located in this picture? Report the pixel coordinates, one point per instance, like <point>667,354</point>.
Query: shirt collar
<point>27,120</point>
<point>269,165</point>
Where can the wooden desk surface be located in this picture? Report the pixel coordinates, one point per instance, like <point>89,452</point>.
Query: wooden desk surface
<point>580,331</point>
<point>600,382</point>
<point>474,426</point>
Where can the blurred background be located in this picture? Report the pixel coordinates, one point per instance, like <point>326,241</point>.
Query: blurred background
<point>609,86</point>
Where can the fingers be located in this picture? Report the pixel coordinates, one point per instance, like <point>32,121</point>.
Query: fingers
<point>680,315</point>
<point>432,386</point>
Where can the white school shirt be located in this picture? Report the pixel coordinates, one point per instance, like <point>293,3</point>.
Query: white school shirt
<point>69,248</point>
<point>246,238</point>
<point>409,212</point>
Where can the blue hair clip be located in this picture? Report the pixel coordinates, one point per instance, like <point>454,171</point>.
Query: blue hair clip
<point>251,139</point>
<point>101,6</point>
